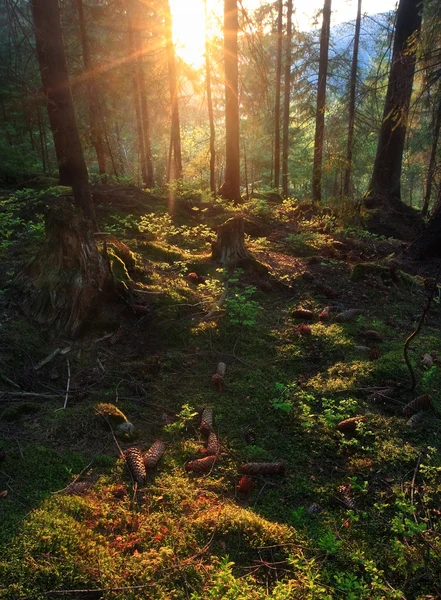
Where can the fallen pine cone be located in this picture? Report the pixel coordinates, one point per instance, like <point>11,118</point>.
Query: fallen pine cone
<point>326,290</point>
<point>154,453</point>
<point>135,463</point>
<point>201,465</point>
<point>221,369</point>
<point>218,381</point>
<point>325,315</point>
<point>263,468</point>
<point>345,497</point>
<point>245,485</point>
<point>140,309</point>
<point>213,444</point>
<point>350,425</point>
<point>427,361</point>
<point>423,402</point>
<point>77,488</point>
<point>348,315</point>
<point>304,330</point>
<point>193,278</point>
<point>374,353</point>
<point>250,436</point>
<point>303,313</point>
<point>207,420</point>
<point>372,335</point>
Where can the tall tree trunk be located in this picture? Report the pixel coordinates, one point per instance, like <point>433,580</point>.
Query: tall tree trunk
<point>286,103</point>
<point>428,243</point>
<point>150,178</point>
<point>385,187</point>
<point>65,280</point>
<point>210,106</point>
<point>352,90</point>
<point>95,123</point>
<point>432,161</point>
<point>277,98</point>
<point>40,135</point>
<point>321,104</point>
<point>136,95</point>
<point>175,157</point>
<point>231,186</point>
<point>55,78</point>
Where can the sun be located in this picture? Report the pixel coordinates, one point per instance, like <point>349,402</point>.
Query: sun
<point>189,30</point>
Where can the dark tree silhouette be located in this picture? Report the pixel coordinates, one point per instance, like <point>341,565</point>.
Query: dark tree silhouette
<point>432,161</point>
<point>321,104</point>
<point>277,96</point>
<point>286,101</point>
<point>210,106</point>
<point>385,190</point>
<point>231,186</point>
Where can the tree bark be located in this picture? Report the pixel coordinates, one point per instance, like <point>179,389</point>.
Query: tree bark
<point>95,123</point>
<point>286,101</point>
<point>351,107</point>
<point>229,248</point>
<point>432,161</point>
<point>231,186</point>
<point>150,176</point>
<point>175,156</point>
<point>321,104</point>
<point>210,106</point>
<point>277,98</point>
<point>55,78</point>
<point>385,190</point>
<point>136,94</point>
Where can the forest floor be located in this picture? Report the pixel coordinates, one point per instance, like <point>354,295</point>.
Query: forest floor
<point>355,515</point>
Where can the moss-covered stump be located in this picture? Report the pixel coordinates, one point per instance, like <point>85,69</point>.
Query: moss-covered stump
<point>229,248</point>
<point>63,284</point>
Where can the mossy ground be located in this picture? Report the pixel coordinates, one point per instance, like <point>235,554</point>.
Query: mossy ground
<point>187,536</point>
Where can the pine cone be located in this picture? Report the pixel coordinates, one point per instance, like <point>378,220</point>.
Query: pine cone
<point>326,290</point>
<point>218,381</point>
<point>263,468</point>
<point>135,463</point>
<point>325,314</point>
<point>345,497</point>
<point>374,354</point>
<point>221,369</point>
<point>304,330</point>
<point>372,335</point>
<point>348,315</point>
<point>245,485</point>
<point>304,314</point>
<point>117,336</point>
<point>250,436</point>
<point>213,444</point>
<point>207,420</point>
<point>154,453</point>
<point>423,402</point>
<point>350,425</point>
<point>193,278</point>
<point>201,465</point>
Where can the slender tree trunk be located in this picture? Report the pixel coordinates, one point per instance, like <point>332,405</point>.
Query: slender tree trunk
<point>432,161</point>
<point>150,179</point>
<point>136,96</point>
<point>95,124</point>
<point>231,186</point>
<point>277,98</point>
<point>55,78</point>
<point>175,165</point>
<point>428,243</point>
<point>210,106</point>
<point>385,187</point>
<point>321,104</point>
<point>286,103</point>
<point>352,90</point>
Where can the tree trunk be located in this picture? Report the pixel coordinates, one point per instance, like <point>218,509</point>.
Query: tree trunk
<point>432,161</point>
<point>385,188</point>
<point>229,248</point>
<point>55,78</point>
<point>150,177</point>
<point>285,142</point>
<point>210,107</point>
<point>136,96</point>
<point>277,98</point>
<point>64,282</point>
<point>351,107</point>
<point>321,104</point>
<point>175,157</point>
<point>95,123</point>
<point>428,243</point>
<point>231,186</point>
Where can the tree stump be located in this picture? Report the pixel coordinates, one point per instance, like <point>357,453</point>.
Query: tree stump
<point>63,283</point>
<point>229,248</point>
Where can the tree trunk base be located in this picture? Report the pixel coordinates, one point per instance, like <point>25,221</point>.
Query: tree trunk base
<point>62,285</point>
<point>404,224</point>
<point>229,248</point>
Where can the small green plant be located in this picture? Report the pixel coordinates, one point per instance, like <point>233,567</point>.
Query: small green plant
<point>241,308</point>
<point>186,414</point>
<point>283,400</point>
<point>335,410</point>
<point>329,543</point>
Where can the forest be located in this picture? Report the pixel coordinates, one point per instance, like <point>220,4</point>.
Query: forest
<point>220,299</point>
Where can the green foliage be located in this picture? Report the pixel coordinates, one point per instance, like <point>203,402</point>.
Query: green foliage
<point>185,416</point>
<point>307,243</point>
<point>164,230</point>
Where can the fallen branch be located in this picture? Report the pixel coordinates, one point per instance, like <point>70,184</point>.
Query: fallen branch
<point>416,332</point>
<point>68,383</point>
